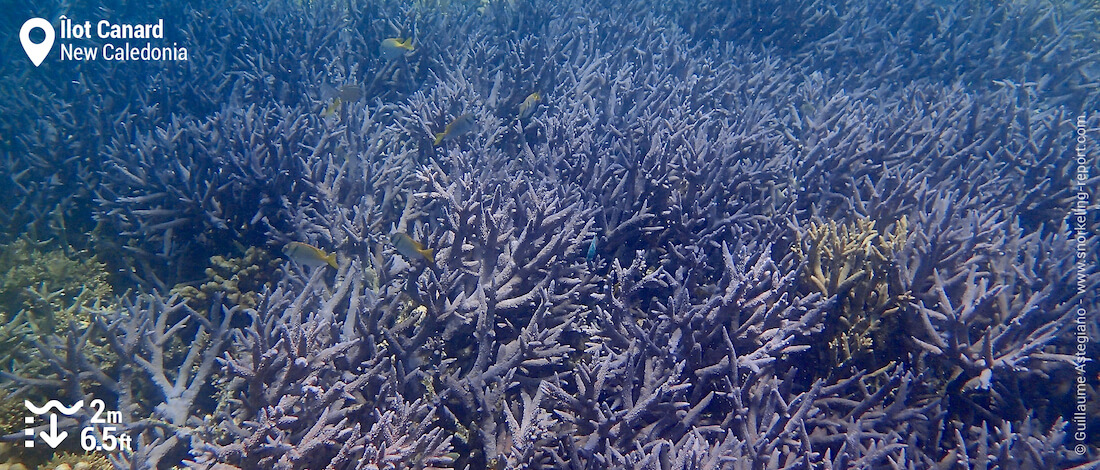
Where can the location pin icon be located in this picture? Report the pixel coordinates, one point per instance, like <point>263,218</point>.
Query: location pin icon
<point>37,52</point>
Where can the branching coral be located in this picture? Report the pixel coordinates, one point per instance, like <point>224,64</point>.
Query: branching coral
<point>303,391</point>
<point>47,286</point>
<point>795,235</point>
<point>855,264</point>
<point>47,305</point>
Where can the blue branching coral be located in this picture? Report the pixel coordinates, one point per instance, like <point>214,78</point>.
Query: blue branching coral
<point>776,235</point>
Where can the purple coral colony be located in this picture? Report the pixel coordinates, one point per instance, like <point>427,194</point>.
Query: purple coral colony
<point>577,234</point>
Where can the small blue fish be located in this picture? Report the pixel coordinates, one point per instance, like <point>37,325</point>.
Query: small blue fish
<point>591,249</point>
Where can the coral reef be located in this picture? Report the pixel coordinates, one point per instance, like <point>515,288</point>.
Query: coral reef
<point>853,264</point>
<point>239,280</point>
<point>774,235</point>
<point>9,463</point>
<point>49,285</point>
<point>61,461</point>
<point>67,461</point>
<point>44,291</point>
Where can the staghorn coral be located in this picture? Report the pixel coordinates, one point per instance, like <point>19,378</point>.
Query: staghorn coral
<point>854,264</point>
<point>48,286</point>
<point>403,437</point>
<point>307,361</point>
<point>46,293</point>
<point>164,356</point>
<point>622,279</point>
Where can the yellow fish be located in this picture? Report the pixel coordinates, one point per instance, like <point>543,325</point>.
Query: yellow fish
<point>309,255</point>
<point>528,106</point>
<point>393,48</point>
<point>462,125</point>
<point>410,248</point>
<point>332,108</point>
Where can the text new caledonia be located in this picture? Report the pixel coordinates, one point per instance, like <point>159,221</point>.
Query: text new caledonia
<point>106,30</point>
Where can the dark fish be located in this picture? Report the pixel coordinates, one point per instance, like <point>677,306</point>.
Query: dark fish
<point>345,94</point>
<point>350,93</point>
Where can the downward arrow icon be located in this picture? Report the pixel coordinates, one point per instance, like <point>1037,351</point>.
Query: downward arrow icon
<point>53,439</point>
